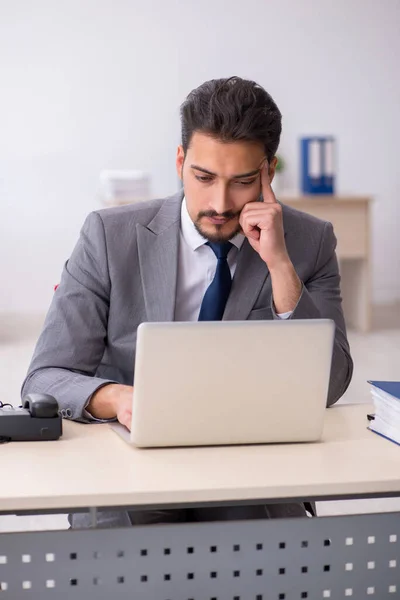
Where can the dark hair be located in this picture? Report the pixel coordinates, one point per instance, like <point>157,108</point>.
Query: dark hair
<point>232,109</point>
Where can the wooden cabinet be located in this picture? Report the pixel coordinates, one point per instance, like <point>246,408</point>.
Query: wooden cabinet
<point>350,217</point>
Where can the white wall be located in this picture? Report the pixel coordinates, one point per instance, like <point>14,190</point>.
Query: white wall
<point>93,84</point>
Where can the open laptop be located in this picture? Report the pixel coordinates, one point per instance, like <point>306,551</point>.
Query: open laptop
<point>230,382</point>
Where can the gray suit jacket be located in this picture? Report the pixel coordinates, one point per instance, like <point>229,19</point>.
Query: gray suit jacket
<point>123,271</point>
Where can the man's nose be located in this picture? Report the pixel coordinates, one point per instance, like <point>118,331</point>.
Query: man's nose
<point>220,200</point>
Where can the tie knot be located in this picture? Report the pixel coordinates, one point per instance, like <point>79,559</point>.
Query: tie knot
<point>220,249</point>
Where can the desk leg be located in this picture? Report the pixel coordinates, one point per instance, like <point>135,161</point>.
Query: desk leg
<point>356,292</point>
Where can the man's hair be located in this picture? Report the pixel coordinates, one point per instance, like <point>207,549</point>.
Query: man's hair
<point>231,110</point>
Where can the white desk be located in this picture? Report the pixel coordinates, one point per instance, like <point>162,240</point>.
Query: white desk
<point>351,219</point>
<point>92,467</point>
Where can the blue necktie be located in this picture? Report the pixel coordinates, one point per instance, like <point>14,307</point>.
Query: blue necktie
<point>214,301</point>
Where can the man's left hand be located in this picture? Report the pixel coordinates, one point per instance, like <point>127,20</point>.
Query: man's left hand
<point>262,224</point>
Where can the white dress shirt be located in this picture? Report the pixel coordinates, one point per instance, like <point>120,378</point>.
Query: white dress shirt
<point>197,264</point>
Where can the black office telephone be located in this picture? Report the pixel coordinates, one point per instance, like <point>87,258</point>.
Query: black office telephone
<point>37,419</point>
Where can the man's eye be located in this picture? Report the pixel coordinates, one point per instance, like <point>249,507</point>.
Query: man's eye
<point>203,178</point>
<point>245,182</point>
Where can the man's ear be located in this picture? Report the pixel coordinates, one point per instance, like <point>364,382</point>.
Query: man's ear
<point>180,159</point>
<point>272,168</point>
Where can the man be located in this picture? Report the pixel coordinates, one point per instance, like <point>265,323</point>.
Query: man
<point>225,248</point>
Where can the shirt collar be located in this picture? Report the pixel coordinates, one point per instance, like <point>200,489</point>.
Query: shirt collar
<point>193,238</point>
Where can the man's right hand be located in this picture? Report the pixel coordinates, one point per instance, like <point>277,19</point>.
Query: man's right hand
<point>112,400</point>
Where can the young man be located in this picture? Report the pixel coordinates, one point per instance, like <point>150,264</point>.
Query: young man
<point>224,248</point>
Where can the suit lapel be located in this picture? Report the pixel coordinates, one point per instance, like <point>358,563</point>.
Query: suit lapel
<point>158,246</point>
<point>250,275</point>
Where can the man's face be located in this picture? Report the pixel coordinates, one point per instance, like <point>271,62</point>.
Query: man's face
<point>219,178</point>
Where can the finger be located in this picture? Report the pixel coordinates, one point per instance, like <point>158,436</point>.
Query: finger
<point>267,191</point>
<point>250,230</point>
<point>252,233</point>
<point>264,210</point>
<point>260,219</point>
<point>126,419</point>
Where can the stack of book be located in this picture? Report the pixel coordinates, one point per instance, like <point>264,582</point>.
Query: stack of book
<point>386,420</point>
<point>124,187</point>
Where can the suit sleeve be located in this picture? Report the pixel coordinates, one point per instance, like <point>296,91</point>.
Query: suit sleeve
<point>73,339</point>
<point>321,299</point>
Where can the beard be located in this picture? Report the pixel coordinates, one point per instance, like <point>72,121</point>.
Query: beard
<point>218,235</point>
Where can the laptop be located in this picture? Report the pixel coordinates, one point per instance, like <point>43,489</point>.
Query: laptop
<point>230,382</point>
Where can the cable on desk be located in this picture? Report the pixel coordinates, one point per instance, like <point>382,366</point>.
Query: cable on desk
<point>3,404</point>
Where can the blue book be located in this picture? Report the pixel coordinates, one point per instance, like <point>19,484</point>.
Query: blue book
<point>390,387</point>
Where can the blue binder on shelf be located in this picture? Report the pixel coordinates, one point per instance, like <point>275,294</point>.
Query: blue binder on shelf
<point>392,388</point>
<point>317,165</point>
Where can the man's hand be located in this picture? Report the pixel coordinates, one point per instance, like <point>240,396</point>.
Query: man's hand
<point>112,400</point>
<point>262,224</point>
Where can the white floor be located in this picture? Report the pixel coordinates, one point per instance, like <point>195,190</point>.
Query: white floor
<point>376,356</point>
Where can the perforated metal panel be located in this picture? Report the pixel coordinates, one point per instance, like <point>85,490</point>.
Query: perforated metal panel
<point>335,557</point>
